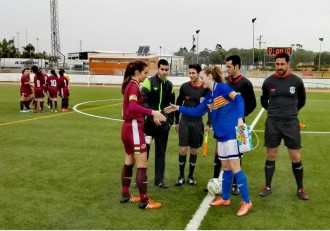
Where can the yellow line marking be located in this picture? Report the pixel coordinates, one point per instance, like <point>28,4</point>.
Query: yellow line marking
<point>49,116</point>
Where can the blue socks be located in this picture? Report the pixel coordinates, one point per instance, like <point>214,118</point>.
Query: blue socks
<point>227,179</point>
<point>242,185</point>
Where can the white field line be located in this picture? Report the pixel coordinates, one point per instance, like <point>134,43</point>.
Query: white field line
<point>199,215</point>
<point>95,116</point>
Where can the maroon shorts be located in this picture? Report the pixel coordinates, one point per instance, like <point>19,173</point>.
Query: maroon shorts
<point>26,92</point>
<point>65,92</point>
<point>133,138</point>
<point>39,93</point>
<point>52,92</point>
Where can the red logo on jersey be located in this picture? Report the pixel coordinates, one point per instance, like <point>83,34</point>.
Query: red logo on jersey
<point>272,90</point>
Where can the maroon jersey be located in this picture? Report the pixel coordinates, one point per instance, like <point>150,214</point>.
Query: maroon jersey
<point>52,86</point>
<point>63,86</point>
<point>132,133</point>
<point>39,83</point>
<point>132,93</point>
<point>45,86</point>
<point>25,85</point>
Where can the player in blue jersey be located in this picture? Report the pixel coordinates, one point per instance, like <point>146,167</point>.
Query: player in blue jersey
<point>226,109</point>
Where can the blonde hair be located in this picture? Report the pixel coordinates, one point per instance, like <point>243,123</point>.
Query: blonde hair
<point>216,73</point>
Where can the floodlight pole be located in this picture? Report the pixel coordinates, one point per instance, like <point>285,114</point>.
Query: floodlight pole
<point>321,39</point>
<point>18,44</point>
<point>197,31</point>
<point>253,20</point>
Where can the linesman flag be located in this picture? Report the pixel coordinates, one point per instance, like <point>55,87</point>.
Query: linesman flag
<point>206,137</point>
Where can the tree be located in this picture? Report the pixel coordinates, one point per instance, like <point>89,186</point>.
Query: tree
<point>203,56</point>
<point>28,51</point>
<point>7,49</point>
<point>42,55</point>
<point>215,57</point>
<point>324,62</point>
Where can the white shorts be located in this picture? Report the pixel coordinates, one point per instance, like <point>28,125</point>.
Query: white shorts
<point>228,150</point>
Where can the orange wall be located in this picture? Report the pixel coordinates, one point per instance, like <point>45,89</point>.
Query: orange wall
<point>117,66</point>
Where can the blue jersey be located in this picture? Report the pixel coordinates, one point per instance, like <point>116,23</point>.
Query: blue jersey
<point>225,106</point>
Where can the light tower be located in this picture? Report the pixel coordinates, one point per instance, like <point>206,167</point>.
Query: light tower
<point>55,34</point>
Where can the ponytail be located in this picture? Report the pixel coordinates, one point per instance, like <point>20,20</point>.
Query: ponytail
<point>216,73</point>
<point>130,72</point>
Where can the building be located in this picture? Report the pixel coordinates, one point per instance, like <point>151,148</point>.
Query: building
<point>114,63</point>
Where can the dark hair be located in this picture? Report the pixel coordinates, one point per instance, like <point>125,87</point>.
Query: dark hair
<point>137,65</point>
<point>235,60</point>
<point>61,72</point>
<point>216,73</point>
<point>53,72</point>
<point>196,66</point>
<point>35,69</point>
<point>283,55</point>
<point>25,70</point>
<point>162,62</point>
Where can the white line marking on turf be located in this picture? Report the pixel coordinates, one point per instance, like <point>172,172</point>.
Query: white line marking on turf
<point>95,116</point>
<point>196,220</point>
<point>199,215</point>
<point>257,119</point>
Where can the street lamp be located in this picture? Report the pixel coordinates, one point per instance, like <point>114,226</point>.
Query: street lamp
<point>38,45</point>
<point>160,52</point>
<point>253,20</point>
<point>219,48</point>
<point>321,39</point>
<point>18,43</point>
<point>197,31</point>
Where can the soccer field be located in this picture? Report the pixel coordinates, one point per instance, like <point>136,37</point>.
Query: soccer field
<point>62,171</point>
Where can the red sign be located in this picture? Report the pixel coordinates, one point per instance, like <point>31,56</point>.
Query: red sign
<point>277,50</point>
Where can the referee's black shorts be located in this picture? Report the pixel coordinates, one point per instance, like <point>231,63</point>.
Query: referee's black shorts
<point>288,130</point>
<point>191,133</point>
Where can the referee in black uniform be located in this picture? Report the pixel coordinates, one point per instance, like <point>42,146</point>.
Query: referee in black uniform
<point>190,129</point>
<point>283,95</point>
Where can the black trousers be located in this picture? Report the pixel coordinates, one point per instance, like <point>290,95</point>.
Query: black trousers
<point>161,139</point>
<point>160,135</point>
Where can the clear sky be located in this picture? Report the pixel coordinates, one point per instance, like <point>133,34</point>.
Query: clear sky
<point>122,25</point>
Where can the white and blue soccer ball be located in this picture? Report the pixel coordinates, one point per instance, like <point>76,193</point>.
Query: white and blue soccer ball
<point>214,186</point>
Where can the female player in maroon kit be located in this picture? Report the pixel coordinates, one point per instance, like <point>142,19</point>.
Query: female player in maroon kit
<point>133,136</point>
<point>25,90</point>
<point>63,86</point>
<point>39,85</point>
<point>52,86</point>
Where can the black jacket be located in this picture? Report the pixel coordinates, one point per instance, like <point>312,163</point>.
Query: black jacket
<point>158,94</point>
<point>244,86</point>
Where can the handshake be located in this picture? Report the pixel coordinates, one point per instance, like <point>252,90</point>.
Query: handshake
<point>160,117</point>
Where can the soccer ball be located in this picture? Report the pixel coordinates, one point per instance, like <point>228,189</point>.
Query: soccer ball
<point>214,186</point>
